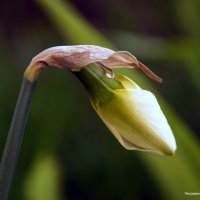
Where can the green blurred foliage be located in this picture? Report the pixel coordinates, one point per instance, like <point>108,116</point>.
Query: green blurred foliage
<point>88,162</point>
<point>43,180</point>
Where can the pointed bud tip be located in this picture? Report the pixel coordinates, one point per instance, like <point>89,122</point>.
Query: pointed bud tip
<point>171,150</point>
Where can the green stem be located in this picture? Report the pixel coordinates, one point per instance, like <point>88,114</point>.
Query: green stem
<point>14,138</point>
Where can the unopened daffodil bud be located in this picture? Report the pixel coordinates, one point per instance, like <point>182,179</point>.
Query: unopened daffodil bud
<point>132,114</point>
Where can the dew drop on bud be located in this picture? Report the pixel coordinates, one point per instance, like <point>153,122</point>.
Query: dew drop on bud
<point>110,74</point>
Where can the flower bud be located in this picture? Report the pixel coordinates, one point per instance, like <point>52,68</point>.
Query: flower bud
<point>132,114</point>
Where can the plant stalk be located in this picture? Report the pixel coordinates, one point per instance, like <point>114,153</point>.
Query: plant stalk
<point>15,136</point>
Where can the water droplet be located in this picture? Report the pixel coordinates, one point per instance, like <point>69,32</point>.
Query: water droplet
<point>110,74</point>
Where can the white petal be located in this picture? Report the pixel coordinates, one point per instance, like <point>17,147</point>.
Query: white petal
<point>136,120</point>
<point>151,115</point>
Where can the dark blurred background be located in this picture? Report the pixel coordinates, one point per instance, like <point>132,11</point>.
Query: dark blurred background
<point>67,152</point>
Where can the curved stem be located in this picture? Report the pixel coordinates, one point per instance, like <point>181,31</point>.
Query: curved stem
<point>14,138</point>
